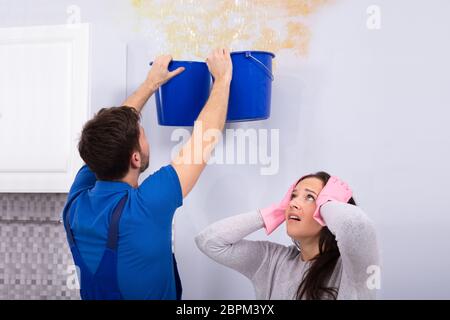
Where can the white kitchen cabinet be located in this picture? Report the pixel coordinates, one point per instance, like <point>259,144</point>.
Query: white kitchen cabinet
<point>44,102</point>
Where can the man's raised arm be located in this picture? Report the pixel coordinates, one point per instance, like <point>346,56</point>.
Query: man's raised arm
<point>157,76</point>
<point>192,158</point>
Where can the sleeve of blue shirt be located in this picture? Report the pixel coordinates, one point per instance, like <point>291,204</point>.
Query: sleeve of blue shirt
<point>84,179</point>
<point>162,189</point>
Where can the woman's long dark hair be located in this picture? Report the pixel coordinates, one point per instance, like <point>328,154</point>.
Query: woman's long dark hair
<point>313,285</point>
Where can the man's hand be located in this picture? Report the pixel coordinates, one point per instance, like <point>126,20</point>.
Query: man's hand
<point>156,77</point>
<point>159,73</point>
<point>220,66</point>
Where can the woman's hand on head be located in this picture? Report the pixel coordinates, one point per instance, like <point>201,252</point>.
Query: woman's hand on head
<point>274,215</point>
<point>334,190</point>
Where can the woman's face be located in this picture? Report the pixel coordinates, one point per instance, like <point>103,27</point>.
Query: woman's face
<point>299,213</point>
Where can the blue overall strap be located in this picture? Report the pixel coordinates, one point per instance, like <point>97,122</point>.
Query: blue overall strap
<point>113,232</point>
<point>105,284</point>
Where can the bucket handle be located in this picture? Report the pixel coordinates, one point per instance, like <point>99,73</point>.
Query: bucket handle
<point>269,73</point>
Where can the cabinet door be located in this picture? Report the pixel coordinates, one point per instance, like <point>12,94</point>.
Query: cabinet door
<point>44,102</point>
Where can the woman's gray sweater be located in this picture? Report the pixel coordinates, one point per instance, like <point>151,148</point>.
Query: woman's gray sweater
<point>276,270</point>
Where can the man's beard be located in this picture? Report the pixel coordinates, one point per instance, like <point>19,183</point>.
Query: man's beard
<point>145,163</point>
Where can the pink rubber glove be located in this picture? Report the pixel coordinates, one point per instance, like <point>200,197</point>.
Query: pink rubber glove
<point>274,215</point>
<point>336,190</point>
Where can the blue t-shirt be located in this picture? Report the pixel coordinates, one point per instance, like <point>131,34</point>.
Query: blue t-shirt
<point>145,266</point>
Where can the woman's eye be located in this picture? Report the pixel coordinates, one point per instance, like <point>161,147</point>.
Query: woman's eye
<point>310,198</point>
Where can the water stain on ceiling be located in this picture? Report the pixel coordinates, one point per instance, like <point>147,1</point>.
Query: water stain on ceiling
<point>191,28</point>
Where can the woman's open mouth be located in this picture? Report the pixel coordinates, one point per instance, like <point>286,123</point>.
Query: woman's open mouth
<point>294,217</point>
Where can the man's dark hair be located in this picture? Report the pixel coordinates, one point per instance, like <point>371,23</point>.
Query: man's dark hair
<point>108,140</point>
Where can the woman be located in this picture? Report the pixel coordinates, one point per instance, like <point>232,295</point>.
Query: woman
<point>335,244</point>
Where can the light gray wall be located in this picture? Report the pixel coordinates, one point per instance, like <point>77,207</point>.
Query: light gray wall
<point>369,106</point>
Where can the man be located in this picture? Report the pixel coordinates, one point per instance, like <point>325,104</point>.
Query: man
<point>119,232</point>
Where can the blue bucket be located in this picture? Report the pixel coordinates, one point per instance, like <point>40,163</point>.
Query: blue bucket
<point>251,86</point>
<point>180,100</point>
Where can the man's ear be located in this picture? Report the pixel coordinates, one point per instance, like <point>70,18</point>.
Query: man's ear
<point>135,161</point>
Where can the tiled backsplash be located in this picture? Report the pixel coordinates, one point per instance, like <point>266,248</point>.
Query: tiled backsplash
<point>35,260</point>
